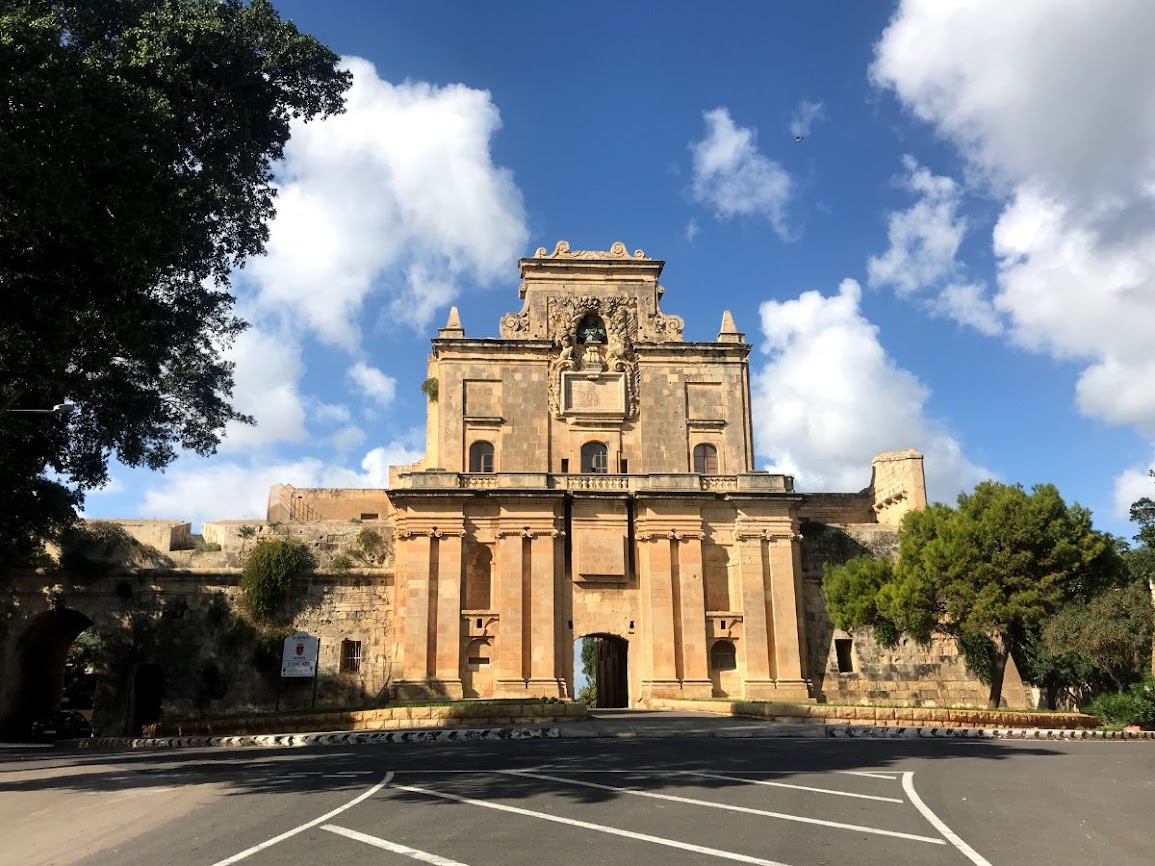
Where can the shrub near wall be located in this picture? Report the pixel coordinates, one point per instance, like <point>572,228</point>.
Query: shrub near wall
<point>268,576</point>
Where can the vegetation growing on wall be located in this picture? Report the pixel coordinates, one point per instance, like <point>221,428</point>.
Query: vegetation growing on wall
<point>268,576</point>
<point>429,388</point>
<point>371,548</point>
<point>91,550</point>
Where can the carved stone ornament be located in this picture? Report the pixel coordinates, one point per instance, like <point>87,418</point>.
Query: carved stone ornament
<point>617,250</point>
<point>616,355</point>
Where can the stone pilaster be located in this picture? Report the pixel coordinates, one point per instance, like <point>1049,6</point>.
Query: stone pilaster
<point>755,649</point>
<point>659,673</point>
<point>695,678</point>
<point>447,628</point>
<point>509,667</point>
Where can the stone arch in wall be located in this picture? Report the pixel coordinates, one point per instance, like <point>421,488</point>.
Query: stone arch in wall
<point>35,667</point>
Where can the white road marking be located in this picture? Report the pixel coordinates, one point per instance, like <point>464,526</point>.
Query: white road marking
<point>268,843</point>
<point>423,856</point>
<point>794,787</point>
<point>586,825</point>
<point>866,774</point>
<point>966,850</point>
<point>858,828</point>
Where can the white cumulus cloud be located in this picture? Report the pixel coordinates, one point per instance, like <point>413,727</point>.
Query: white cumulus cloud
<point>217,490</point>
<point>731,176</point>
<point>268,369</point>
<point>1053,109</point>
<point>398,196</point>
<point>922,258</point>
<point>830,398</point>
<point>373,383</point>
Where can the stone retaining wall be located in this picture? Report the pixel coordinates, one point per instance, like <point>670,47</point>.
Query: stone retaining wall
<point>827,714</point>
<point>383,719</point>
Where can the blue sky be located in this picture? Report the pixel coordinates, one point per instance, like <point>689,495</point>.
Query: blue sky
<point>958,256</point>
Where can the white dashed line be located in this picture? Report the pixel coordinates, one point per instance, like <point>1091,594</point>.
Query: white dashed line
<point>858,828</point>
<point>966,850</point>
<point>586,825</point>
<point>423,856</point>
<point>268,843</point>
<point>794,787</point>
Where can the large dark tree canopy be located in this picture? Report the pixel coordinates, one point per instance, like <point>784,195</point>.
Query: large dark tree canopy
<point>137,139</point>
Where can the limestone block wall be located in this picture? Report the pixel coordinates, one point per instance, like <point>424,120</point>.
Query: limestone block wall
<point>296,504</point>
<point>837,507</point>
<point>867,673</point>
<point>181,629</point>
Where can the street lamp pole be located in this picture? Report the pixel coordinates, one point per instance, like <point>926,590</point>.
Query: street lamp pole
<point>58,409</point>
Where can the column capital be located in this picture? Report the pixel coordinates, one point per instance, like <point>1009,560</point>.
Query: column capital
<point>529,532</point>
<point>671,534</point>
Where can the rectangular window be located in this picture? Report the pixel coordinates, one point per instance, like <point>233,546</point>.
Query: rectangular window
<point>369,517</point>
<point>844,649</point>
<point>564,465</point>
<point>350,656</point>
<point>623,466</point>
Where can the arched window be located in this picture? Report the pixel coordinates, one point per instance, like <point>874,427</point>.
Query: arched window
<point>481,457</point>
<point>705,459</point>
<point>722,656</point>
<point>595,458</point>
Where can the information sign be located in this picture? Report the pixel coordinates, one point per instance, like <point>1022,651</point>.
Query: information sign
<point>300,655</point>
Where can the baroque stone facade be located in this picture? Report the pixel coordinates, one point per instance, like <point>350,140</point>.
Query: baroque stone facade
<point>591,473</point>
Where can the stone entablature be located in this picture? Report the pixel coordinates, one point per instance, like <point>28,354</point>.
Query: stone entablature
<point>671,482</point>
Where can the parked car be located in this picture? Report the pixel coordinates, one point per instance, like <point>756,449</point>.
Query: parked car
<point>60,725</point>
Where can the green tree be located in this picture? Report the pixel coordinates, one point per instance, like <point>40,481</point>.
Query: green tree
<point>852,592</point>
<point>137,139</point>
<point>989,572</point>
<point>589,692</point>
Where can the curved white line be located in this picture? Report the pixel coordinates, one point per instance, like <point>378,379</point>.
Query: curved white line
<point>952,837</point>
<point>268,843</point>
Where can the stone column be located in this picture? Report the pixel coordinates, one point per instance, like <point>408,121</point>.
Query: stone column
<point>447,629</point>
<point>692,601</point>
<point>509,676</point>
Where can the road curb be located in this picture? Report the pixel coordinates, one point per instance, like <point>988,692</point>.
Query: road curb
<point>585,731</point>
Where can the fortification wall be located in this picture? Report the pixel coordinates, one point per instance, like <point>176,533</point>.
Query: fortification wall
<point>854,668</point>
<point>288,504</point>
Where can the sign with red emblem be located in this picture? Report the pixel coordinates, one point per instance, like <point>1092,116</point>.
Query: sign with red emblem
<point>300,656</point>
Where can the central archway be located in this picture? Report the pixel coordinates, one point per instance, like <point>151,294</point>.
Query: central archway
<point>605,663</point>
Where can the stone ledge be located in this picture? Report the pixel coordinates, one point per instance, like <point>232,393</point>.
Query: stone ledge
<point>383,718</point>
<point>829,714</point>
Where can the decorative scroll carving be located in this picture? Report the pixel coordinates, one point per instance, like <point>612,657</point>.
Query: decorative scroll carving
<point>514,326</point>
<point>620,317</point>
<point>617,250</point>
<point>669,328</point>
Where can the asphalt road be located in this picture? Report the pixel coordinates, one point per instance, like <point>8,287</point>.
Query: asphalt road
<point>639,802</point>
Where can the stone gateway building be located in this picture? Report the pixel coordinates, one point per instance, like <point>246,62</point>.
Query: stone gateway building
<point>591,473</point>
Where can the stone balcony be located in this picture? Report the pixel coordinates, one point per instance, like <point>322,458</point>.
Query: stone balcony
<point>670,482</point>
